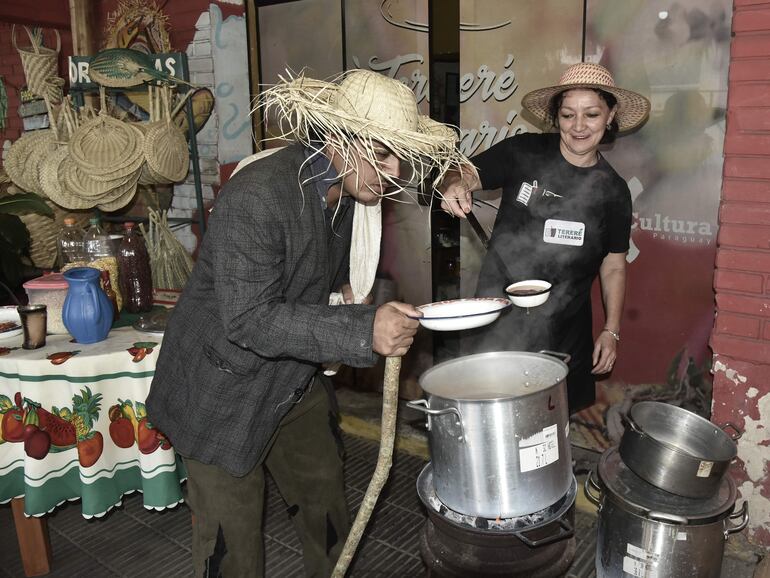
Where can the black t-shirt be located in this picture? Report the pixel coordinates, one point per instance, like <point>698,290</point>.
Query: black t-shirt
<point>556,222</point>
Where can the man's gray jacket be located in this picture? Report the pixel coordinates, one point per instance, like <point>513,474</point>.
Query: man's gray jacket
<point>254,321</point>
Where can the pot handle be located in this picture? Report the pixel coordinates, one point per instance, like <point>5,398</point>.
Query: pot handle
<point>629,422</point>
<point>591,483</point>
<point>742,513</point>
<point>668,518</point>
<point>422,405</point>
<point>565,357</point>
<point>738,433</point>
<point>565,531</point>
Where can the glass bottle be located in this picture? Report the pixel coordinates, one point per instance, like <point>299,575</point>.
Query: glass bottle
<point>107,286</point>
<point>134,272</point>
<point>69,243</point>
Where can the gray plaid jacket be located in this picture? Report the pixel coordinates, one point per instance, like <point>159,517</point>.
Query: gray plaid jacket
<point>253,322</point>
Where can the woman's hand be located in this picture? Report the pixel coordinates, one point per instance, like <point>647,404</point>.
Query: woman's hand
<point>605,353</point>
<point>456,192</point>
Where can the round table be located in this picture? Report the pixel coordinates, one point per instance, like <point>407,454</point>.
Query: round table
<point>88,434</point>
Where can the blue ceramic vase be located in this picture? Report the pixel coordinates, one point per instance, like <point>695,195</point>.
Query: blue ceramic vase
<point>87,312</point>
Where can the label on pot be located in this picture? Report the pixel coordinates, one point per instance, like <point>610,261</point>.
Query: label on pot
<point>638,560</point>
<point>539,450</point>
<point>634,567</point>
<point>704,469</point>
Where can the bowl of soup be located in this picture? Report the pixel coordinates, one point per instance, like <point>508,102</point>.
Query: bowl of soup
<point>528,293</point>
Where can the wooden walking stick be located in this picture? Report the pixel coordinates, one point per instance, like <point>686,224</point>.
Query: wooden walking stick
<point>381,471</point>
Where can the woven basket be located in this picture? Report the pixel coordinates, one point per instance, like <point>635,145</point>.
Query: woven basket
<point>39,62</point>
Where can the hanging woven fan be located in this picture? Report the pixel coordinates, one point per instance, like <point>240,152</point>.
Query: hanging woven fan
<point>50,184</point>
<point>19,155</point>
<point>123,67</point>
<point>166,152</point>
<point>106,148</point>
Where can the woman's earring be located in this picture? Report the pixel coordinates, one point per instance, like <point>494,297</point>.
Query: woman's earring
<point>609,126</point>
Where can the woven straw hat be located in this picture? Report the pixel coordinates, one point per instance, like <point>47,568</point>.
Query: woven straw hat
<point>371,107</point>
<point>633,108</point>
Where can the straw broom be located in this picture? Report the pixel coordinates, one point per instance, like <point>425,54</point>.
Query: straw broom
<point>381,471</point>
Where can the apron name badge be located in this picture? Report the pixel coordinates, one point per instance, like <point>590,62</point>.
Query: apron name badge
<point>564,232</point>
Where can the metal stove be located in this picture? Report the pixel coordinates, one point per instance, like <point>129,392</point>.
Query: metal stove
<point>457,545</point>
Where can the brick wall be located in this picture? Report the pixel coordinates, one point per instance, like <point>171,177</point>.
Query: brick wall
<point>740,338</point>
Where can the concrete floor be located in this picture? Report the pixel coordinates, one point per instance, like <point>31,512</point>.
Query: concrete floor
<point>132,541</point>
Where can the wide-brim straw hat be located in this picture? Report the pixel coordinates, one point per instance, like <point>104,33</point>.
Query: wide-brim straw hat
<point>370,107</point>
<point>633,108</point>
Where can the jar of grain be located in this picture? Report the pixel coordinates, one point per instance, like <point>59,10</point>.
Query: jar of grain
<point>49,290</point>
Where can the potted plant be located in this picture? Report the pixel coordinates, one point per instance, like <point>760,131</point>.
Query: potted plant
<point>15,263</point>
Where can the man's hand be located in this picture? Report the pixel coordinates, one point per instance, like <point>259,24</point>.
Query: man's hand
<point>393,330</point>
<point>347,295</point>
<point>457,192</point>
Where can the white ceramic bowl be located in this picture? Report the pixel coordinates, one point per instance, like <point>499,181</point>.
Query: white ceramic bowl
<point>9,314</point>
<point>457,314</point>
<point>537,292</point>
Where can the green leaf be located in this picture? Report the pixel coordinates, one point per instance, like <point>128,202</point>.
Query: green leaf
<point>25,203</point>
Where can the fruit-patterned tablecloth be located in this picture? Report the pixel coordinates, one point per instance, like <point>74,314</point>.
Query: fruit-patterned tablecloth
<point>74,425</point>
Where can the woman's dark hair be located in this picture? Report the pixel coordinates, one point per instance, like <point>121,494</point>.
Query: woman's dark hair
<point>555,104</point>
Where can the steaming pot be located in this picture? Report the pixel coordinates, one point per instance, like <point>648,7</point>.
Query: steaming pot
<point>497,430</point>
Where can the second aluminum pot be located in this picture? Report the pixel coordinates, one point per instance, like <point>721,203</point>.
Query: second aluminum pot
<point>677,450</point>
<point>646,531</point>
<point>497,429</point>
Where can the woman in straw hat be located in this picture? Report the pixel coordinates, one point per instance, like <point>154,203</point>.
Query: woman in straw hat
<point>237,386</point>
<point>565,216</point>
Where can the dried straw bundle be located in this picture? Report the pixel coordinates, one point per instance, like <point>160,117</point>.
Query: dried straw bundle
<point>170,263</point>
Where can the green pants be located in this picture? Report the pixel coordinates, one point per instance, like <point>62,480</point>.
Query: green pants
<point>304,460</point>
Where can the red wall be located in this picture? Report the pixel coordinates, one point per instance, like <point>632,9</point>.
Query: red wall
<point>740,338</point>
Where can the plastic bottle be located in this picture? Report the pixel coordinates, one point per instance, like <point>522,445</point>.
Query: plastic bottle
<point>96,242</point>
<point>69,243</point>
<point>135,274</point>
<point>100,254</point>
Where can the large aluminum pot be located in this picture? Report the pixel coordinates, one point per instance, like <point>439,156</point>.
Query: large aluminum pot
<point>645,531</point>
<point>676,450</point>
<point>497,430</point>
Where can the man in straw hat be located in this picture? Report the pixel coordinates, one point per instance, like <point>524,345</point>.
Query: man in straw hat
<point>237,386</point>
<point>565,217</point>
